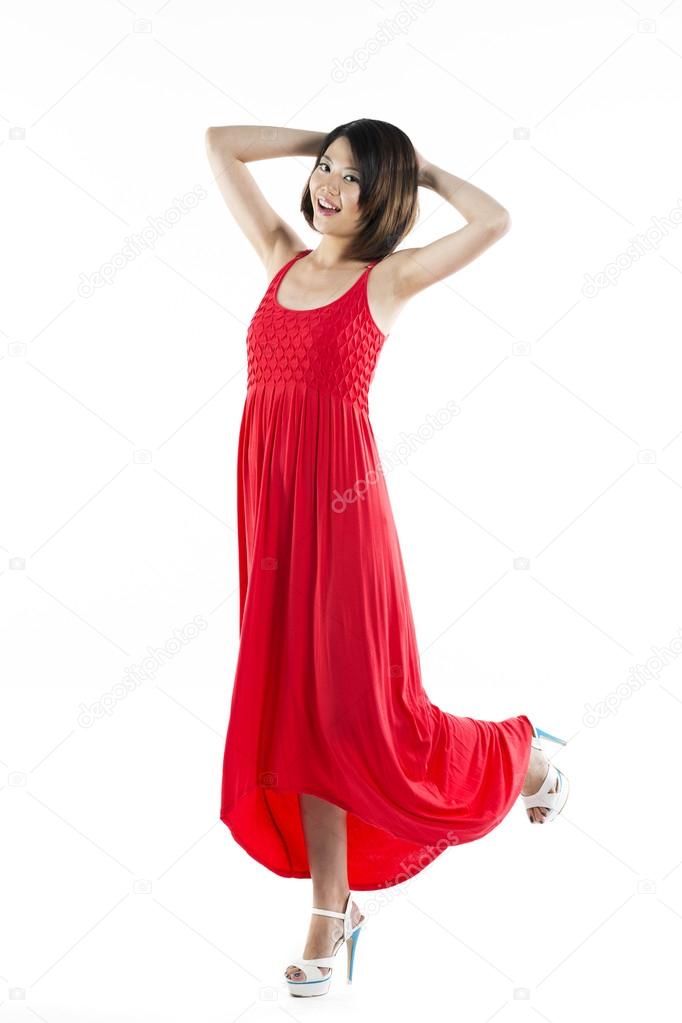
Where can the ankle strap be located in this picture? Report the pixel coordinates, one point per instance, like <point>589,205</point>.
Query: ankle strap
<point>345,916</point>
<point>332,912</point>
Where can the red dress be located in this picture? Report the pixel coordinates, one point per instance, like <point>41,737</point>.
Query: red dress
<point>327,696</point>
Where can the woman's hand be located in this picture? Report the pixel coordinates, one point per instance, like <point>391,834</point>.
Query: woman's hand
<point>423,169</point>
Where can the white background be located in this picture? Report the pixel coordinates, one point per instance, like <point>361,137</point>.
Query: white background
<point>123,895</point>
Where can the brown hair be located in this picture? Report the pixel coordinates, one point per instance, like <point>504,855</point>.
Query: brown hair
<point>388,172</point>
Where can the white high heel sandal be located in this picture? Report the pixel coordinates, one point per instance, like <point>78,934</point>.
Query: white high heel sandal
<point>316,982</point>
<point>552,801</point>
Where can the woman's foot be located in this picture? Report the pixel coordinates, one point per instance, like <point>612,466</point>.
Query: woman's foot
<point>537,772</point>
<point>324,933</point>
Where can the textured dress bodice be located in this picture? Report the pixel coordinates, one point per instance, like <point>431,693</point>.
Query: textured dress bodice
<point>333,348</point>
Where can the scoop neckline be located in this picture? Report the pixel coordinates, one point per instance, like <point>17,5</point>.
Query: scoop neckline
<point>315,309</point>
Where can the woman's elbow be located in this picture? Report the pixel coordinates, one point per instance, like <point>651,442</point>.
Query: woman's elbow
<point>502,223</point>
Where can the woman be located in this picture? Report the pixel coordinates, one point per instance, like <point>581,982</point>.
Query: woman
<point>337,766</point>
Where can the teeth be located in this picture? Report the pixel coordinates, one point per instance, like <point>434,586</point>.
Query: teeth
<point>326,205</point>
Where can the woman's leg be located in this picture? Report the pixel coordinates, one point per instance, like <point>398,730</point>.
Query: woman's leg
<point>324,825</point>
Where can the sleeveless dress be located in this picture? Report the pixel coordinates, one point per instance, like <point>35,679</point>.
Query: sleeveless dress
<point>327,696</point>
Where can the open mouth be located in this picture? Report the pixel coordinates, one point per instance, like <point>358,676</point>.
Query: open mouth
<point>329,209</point>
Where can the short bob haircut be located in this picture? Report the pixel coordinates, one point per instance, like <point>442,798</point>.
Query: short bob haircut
<point>388,171</point>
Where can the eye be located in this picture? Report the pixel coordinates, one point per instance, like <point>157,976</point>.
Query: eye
<point>323,163</point>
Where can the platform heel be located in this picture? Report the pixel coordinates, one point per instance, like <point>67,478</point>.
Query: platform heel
<point>539,733</point>
<point>316,982</point>
<point>351,944</point>
<point>554,802</point>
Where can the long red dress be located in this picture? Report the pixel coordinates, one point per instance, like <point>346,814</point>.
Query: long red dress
<point>327,696</point>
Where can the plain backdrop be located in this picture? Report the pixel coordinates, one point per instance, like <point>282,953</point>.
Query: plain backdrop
<point>540,526</point>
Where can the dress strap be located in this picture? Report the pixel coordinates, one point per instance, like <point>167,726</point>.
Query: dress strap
<point>283,269</point>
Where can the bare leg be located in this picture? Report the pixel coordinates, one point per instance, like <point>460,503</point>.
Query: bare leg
<point>324,825</point>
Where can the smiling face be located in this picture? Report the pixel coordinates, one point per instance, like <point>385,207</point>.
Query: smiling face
<point>336,181</point>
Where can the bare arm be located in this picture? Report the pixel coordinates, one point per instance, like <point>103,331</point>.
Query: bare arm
<point>229,149</point>
<point>416,268</point>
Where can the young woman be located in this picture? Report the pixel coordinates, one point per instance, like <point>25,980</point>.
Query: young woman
<point>337,766</point>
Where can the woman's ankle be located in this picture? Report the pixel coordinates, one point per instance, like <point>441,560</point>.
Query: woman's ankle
<point>330,897</point>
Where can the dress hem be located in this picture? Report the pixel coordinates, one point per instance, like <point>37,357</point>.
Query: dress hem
<point>428,855</point>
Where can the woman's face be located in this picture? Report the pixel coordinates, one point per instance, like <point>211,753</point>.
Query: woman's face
<point>336,180</point>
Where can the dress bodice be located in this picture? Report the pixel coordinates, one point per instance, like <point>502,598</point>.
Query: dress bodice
<point>334,347</point>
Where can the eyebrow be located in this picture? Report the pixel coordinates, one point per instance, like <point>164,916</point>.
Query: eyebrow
<point>326,156</point>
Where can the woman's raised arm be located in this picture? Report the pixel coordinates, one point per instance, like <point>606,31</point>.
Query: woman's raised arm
<point>414,269</point>
<point>229,149</point>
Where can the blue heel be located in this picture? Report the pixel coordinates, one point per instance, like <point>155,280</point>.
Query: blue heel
<point>350,946</point>
<point>539,732</point>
